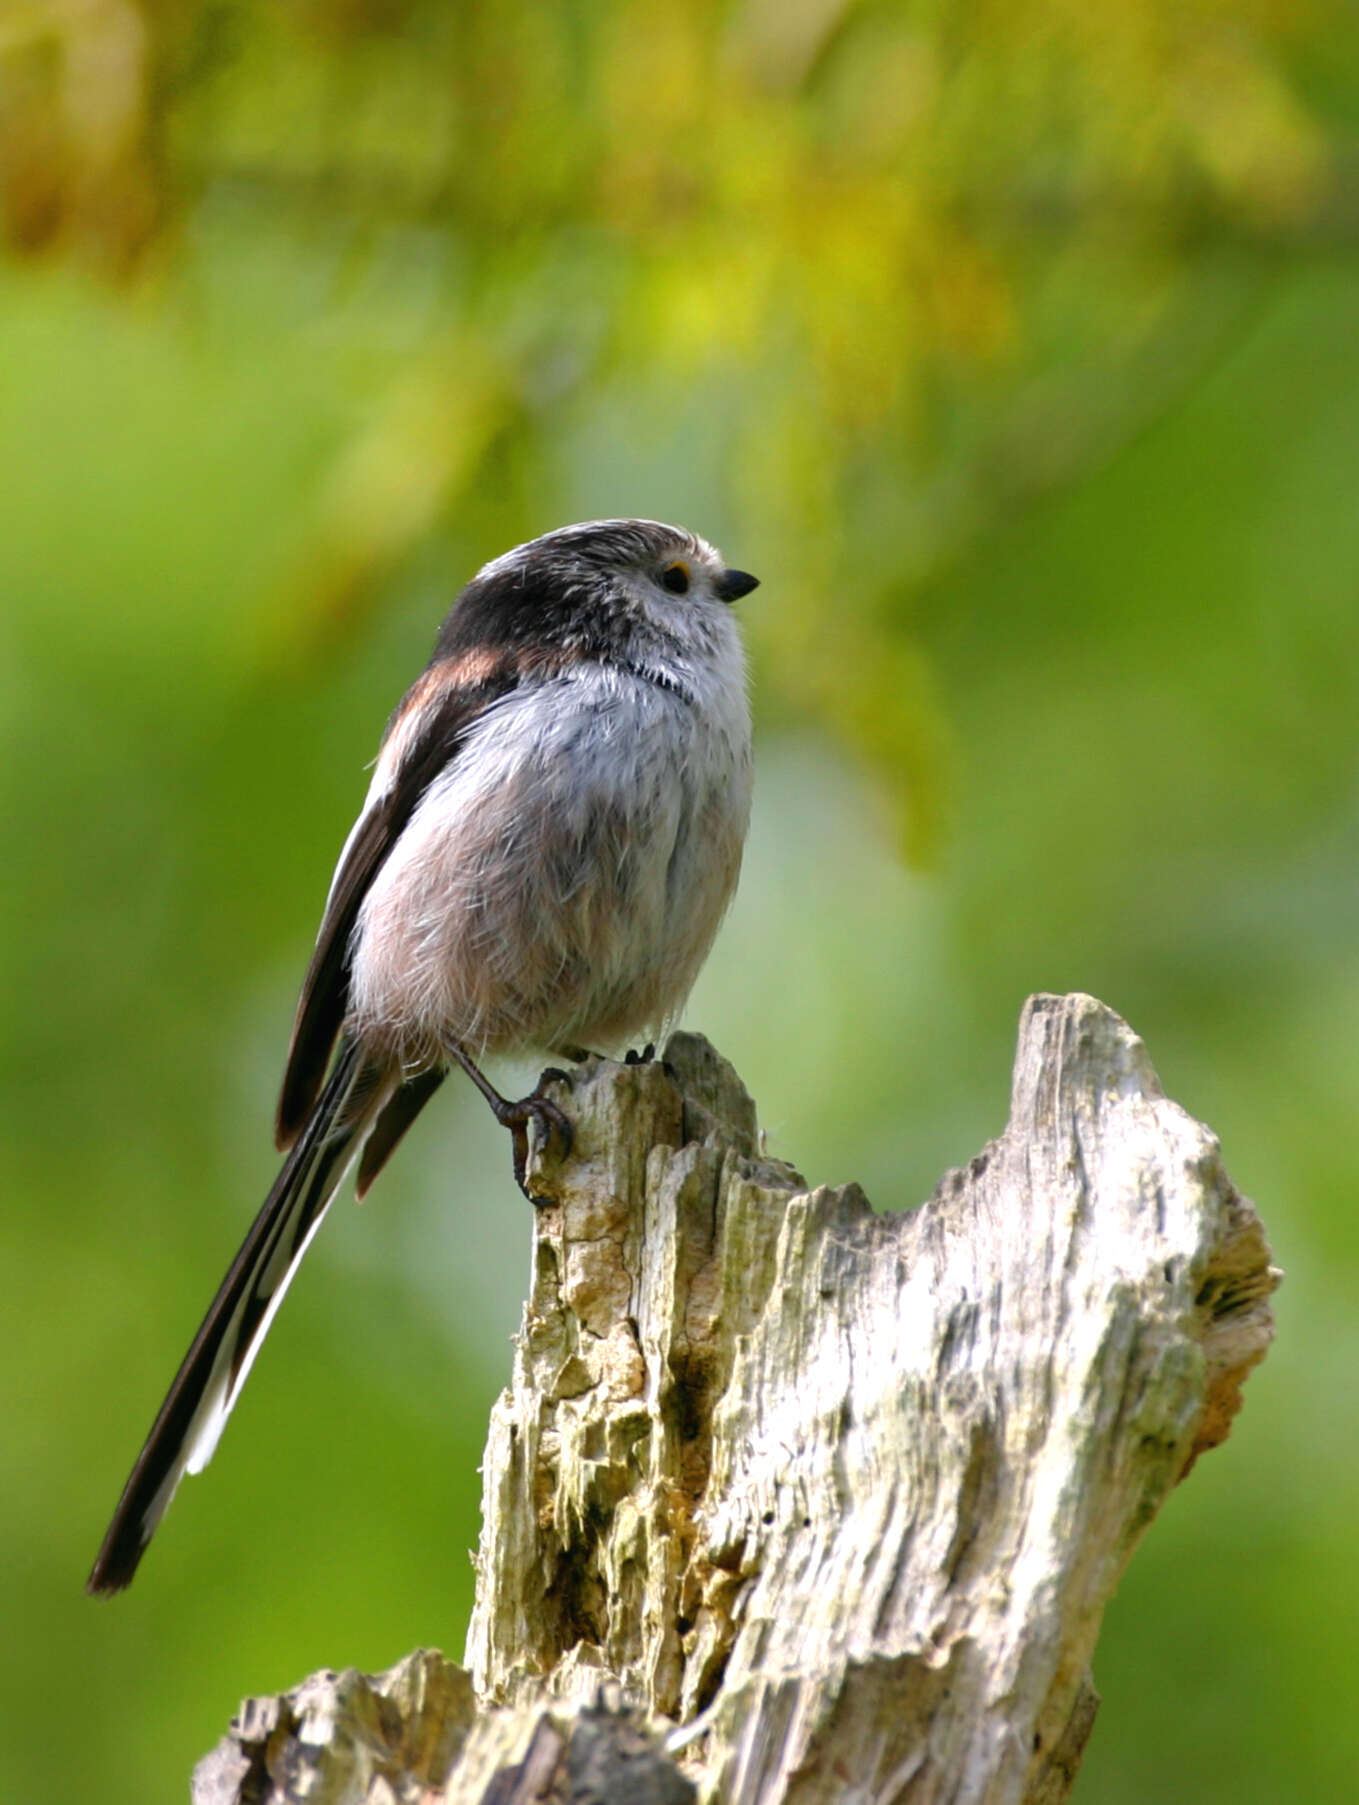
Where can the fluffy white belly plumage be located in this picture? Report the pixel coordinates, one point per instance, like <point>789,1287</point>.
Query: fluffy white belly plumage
<point>561,881</point>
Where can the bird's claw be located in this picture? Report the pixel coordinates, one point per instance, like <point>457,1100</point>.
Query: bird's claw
<point>553,1125</point>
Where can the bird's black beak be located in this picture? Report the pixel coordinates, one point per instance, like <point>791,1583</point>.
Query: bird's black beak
<point>733,584</point>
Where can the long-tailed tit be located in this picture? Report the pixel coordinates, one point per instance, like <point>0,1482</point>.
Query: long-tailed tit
<point>553,831</point>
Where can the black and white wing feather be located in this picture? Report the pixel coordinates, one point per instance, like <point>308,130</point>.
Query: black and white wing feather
<point>423,737</point>
<point>186,1430</point>
<point>336,1107</point>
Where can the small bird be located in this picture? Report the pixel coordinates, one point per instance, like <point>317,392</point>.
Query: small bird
<point>552,834</point>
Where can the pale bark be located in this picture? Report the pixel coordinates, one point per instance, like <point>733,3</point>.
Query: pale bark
<point>836,1499</point>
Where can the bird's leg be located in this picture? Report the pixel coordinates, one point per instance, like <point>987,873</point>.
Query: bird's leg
<point>517,1116</point>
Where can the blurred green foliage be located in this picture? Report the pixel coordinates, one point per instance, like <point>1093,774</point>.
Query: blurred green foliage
<point>1015,347</point>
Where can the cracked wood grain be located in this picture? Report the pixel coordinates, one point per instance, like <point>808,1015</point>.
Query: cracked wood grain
<point>837,1499</point>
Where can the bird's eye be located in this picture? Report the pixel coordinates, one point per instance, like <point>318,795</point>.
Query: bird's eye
<point>675,578</point>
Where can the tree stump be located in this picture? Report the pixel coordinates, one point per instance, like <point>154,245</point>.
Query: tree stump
<point>789,1501</point>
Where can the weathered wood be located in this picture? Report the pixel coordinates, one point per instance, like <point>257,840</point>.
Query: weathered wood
<point>838,1498</point>
<point>415,1734</point>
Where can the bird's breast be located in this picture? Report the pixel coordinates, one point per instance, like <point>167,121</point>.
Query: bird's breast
<point>562,879</point>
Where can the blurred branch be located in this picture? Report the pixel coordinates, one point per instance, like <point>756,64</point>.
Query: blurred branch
<point>836,1499</point>
<point>884,276</point>
<point>385,492</point>
<point>76,169</point>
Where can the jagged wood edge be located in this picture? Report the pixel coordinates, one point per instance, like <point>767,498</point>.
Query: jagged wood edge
<point>634,1308</point>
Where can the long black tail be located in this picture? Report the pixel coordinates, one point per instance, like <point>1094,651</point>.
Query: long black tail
<point>191,1419</point>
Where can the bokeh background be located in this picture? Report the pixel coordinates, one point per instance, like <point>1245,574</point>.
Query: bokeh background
<point>1016,347</point>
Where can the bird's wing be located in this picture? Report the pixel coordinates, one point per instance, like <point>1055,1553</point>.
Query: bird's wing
<point>425,733</point>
